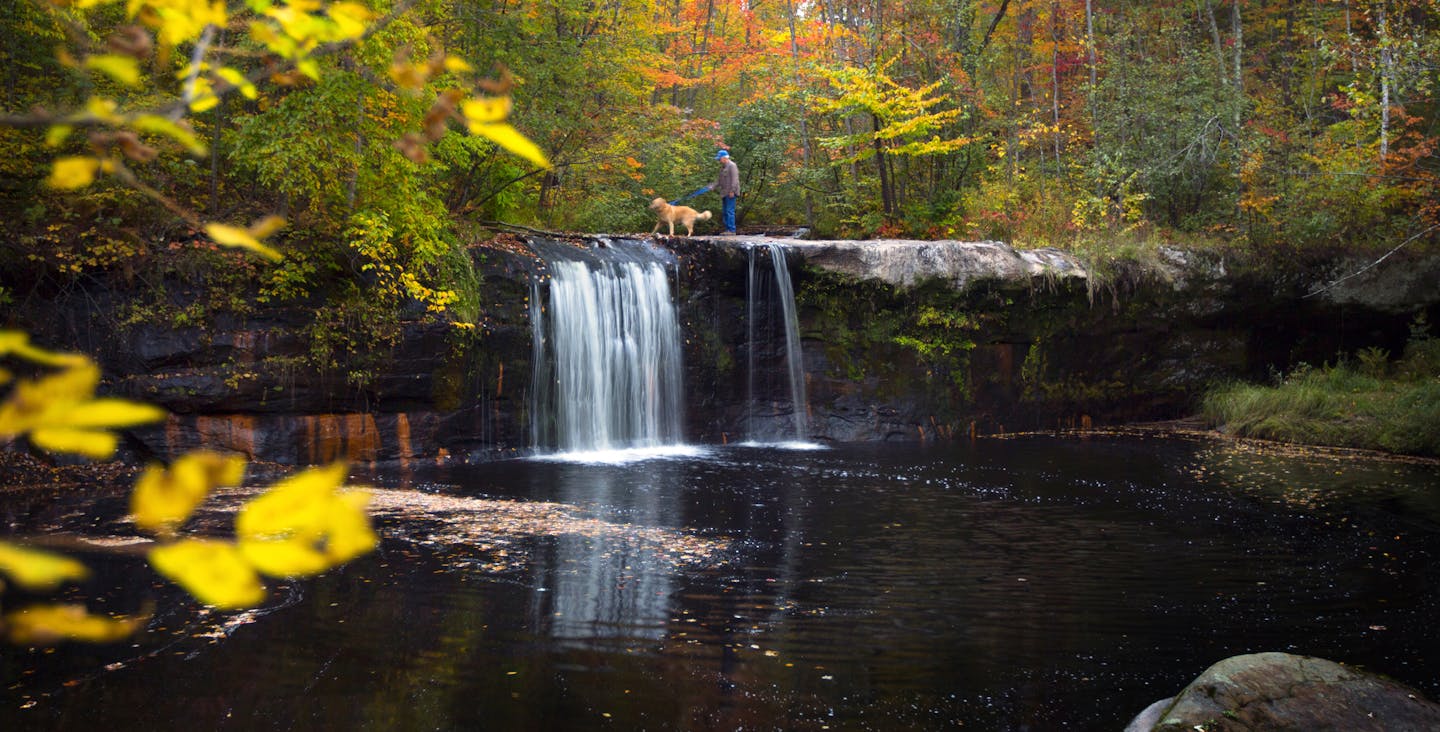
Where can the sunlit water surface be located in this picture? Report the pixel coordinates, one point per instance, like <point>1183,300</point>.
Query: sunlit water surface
<point>1026,584</point>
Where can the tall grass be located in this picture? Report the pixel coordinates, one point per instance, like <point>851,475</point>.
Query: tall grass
<point>1372,404</point>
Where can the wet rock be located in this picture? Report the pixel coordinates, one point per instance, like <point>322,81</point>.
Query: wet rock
<point>1281,691</point>
<point>905,263</point>
<point>1392,286</point>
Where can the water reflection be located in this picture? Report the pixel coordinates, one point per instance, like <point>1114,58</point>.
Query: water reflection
<point>1027,584</point>
<point>591,590</point>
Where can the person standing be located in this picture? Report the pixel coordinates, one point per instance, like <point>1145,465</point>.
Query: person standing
<point>728,186</point>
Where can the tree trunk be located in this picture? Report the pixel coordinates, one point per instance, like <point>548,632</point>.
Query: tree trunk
<point>1387,69</point>
<point>1215,39</point>
<point>1055,79</point>
<point>1090,39</point>
<point>1239,40</point>
<point>804,132</point>
<point>887,191</point>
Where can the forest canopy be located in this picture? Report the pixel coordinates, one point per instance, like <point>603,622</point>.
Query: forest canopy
<point>1039,122</point>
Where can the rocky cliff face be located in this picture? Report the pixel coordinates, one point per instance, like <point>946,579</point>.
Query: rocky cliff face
<point>901,340</point>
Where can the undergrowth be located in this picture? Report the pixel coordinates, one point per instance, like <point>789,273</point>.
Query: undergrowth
<point>1364,401</point>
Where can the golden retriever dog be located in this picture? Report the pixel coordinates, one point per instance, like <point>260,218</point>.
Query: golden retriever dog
<point>670,214</point>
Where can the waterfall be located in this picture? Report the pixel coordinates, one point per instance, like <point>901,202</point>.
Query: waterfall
<point>794,357</point>
<point>607,358</point>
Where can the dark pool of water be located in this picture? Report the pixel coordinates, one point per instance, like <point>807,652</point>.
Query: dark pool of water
<point>1025,584</point>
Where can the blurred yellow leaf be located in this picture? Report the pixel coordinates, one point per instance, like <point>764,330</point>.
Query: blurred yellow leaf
<point>350,19</point>
<point>305,524</point>
<point>509,138</point>
<point>349,534</point>
<point>104,110</point>
<point>234,236</point>
<point>266,226</point>
<point>296,506</point>
<point>484,110</point>
<point>90,443</point>
<point>409,76</point>
<point>56,135</point>
<point>308,67</point>
<point>158,125</point>
<point>124,69</point>
<point>164,498</point>
<point>213,571</point>
<point>44,624</point>
<point>284,557</point>
<point>237,80</point>
<point>17,343</point>
<point>456,65</point>
<point>113,413</point>
<point>59,414</point>
<point>36,570</point>
<point>73,171</point>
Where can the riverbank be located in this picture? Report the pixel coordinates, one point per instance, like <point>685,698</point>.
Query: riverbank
<point>1366,402</point>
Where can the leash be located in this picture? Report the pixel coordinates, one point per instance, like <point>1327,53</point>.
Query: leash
<point>690,195</point>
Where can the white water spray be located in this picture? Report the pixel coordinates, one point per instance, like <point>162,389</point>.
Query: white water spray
<point>607,358</point>
<point>794,357</point>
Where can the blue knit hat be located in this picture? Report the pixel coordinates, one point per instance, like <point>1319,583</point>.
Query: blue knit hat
<point>722,155</point>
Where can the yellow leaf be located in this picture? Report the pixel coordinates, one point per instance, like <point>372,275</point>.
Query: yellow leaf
<point>213,571</point>
<point>103,110</point>
<point>18,343</point>
<point>56,135</point>
<point>296,506</point>
<point>509,138</point>
<point>112,413</point>
<point>73,172</point>
<point>233,236</point>
<point>89,443</point>
<point>350,19</point>
<point>456,65</point>
<point>237,80</point>
<point>158,125</point>
<point>124,69</point>
<point>36,570</point>
<point>308,67</point>
<point>204,102</point>
<point>284,557</point>
<point>267,226</point>
<point>485,110</point>
<point>44,624</point>
<point>349,534</point>
<point>164,498</point>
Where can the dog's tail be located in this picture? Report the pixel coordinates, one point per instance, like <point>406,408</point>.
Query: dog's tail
<point>704,216</point>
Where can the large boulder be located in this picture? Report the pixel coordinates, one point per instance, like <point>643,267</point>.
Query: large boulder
<point>1281,691</point>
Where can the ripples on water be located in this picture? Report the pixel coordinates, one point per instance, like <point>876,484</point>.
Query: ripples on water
<point>1027,584</point>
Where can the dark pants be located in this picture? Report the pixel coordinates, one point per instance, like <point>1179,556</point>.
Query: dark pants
<point>727,213</point>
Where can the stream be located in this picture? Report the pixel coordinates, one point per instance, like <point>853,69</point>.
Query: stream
<point>1024,584</point>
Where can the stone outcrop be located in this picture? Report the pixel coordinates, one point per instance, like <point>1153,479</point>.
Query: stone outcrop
<point>901,340</point>
<point>1281,691</point>
<point>959,263</point>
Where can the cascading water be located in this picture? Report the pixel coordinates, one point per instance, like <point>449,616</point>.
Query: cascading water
<point>607,358</point>
<point>794,357</point>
